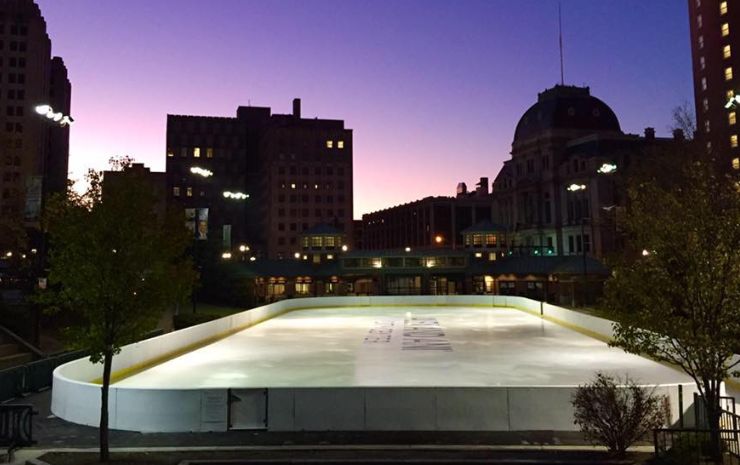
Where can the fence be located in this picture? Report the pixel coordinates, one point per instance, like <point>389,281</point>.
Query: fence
<point>694,446</point>
<point>32,376</point>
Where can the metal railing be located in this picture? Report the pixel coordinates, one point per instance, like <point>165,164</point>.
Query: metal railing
<point>33,376</point>
<point>16,427</point>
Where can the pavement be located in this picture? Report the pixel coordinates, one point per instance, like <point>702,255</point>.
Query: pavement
<point>55,435</point>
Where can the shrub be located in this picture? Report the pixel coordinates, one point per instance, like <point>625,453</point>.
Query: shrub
<point>616,413</point>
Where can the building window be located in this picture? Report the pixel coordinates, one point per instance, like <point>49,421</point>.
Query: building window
<point>736,163</point>
<point>730,94</point>
<point>733,141</point>
<point>329,144</point>
<point>725,30</point>
<point>705,104</point>
<point>183,152</point>
<point>701,41</point>
<point>723,8</point>
<point>702,63</point>
<point>709,147</point>
<point>340,144</point>
<point>727,51</point>
<point>706,125</point>
<point>189,192</point>
<point>196,152</point>
<point>728,73</point>
<point>699,21</point>
<point>209,152</point>
<point>703,81</point>
<point>176,191</point>
<point>732,118</point>
<point>170,153</point>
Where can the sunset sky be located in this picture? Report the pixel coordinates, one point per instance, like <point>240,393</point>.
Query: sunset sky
<point>432,89</point>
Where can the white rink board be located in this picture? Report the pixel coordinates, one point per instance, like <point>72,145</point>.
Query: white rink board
<point>366,347</point>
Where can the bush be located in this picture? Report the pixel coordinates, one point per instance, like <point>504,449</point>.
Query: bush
<point>616,413</point>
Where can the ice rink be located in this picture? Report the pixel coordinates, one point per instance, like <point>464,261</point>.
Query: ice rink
<point>400,347</point>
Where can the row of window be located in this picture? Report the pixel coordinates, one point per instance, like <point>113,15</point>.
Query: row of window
<point>14,46</point>
<point>305,198</point>
<point>12,176</point>
<point>305,185</point>
<point>327,242</point>
<point>12,160</point>
<point>293,212</point>
<point>14,78</point>
<point>330,144</point>
<point>576,244</point>
<point>293,170</point>
<point>14,62</point>
<point>14,127</point>
<point>15,29</point>
<point>18,94</point>
<point>14,111</point>
<point>194,151</point>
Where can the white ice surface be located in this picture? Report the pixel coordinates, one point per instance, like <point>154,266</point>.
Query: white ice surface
<point>336,348</point>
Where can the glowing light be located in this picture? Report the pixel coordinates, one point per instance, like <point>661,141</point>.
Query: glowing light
<point>243,248</point>
<point>438,239</point>
<point>645,252</point>
<point>330,257</point>
<point>9,254</point>
<point>576,187</point>
<point>48,111</point>
<point>251,259</point>
<point>297,255</point>
<point>345,248</point>
<point>607,168</point>
<point>226,255</point>
<point>407,249</point>
<point>732,102</point>
<point>478,255</point>
<point>235,195</point>
<point>201,171</point>
<point>34,250</point>
<point>305,257</point>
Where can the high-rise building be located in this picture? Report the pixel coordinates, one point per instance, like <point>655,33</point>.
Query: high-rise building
<point>34,147</point>
<point>259,180</point>
<point>715,51</point>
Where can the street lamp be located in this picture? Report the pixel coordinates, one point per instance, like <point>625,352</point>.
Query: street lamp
<point>582,188</point>
<point>235,195</point>
<point>607,168</point>
<point>201,171</point>
<point>57,117</point>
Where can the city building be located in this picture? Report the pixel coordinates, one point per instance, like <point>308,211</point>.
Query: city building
<point>261,179</point>
<point>429,222</point>
<point>34,113</point>
<point>715,52</point>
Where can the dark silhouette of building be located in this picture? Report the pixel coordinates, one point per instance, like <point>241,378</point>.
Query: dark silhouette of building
<point>261,179</point>
<point>559,194</point>
<point>715,52</point>
<point>34,149</point>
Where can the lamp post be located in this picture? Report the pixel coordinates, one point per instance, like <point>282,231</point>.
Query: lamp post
<point>581,188</point>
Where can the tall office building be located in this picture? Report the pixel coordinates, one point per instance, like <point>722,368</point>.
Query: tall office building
<point>715,50</point>
<point>34,148</point>
<point>259,180</point>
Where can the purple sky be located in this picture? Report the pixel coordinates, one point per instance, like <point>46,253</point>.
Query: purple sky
<point>432,89</point>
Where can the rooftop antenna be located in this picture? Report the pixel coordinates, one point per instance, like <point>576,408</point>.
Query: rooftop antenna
<point>560,37</point>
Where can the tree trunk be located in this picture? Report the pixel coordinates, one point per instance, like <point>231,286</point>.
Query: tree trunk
<point>714,412</point>
<point>107,362</point>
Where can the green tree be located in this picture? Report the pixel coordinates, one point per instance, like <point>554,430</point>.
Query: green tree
<point>118,261</point>
<point>676,293</point>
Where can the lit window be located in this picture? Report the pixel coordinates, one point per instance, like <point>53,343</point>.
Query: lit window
<point>705,104</point>
<point>736,163</point>
<point>698,3</point>
<point>189,192</point>
<point>176,191</point>
<point>730,94</point>
<point>209,152</point>
<point>709,147</point>
<point>732,118</point>
<point>340,144</point>
<point>701,41</point>
<point>733,141</point>
<point>723,8</point>
<point>170,153</point>
<point>292,185</point>
<point>728,73</point>
<point>725,30</point>
<point>329,144</point>
<point>727,51</point>
<point>706,125</point>
<point>699,21</point>
<point>703,83</point>
<point>702,62</point>
<point>196,152</point>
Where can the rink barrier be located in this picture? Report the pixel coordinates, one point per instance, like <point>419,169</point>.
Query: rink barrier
<point>76,390</point>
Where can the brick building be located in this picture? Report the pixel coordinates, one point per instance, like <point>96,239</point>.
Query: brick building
<point>260,179</point>
<point>715,53</point>
<point>34,148</point>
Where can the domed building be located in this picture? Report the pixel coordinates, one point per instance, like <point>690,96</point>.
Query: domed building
<point>557,192</point>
